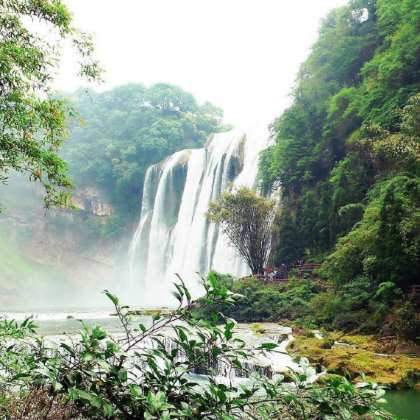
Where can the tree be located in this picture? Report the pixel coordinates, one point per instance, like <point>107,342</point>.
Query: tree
<point>33,120</point>
<point>289,247</point>
<point>171,98</point>
<point>248,221</point>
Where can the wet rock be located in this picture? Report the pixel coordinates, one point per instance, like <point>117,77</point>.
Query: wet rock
<point>407,348</point>
<point>299,331</point>
<point>89,200</point>
<point>318,368</point>
<point>400,386</point>
<point>327,344</point>
<point>288,377</point>
<point>395,371</point>
<point>343,369</point>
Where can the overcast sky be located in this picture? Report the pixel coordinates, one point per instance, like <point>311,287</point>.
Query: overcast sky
<point>242,55</point>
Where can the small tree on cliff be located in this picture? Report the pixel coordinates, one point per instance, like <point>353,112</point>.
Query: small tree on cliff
<point>248,221</point>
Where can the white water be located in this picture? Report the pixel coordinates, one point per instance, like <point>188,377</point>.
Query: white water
<point>173,235</point>
<point>56,316</point>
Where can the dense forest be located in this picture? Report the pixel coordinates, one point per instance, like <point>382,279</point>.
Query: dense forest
<point>129,128</point>
<point>347,154</point>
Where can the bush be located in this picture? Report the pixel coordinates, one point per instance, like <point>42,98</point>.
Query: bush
<point>407,322</point>
<point>224,279</point>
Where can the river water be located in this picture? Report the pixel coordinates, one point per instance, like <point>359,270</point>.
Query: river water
<point>56,321</point>
<point>405,404</point>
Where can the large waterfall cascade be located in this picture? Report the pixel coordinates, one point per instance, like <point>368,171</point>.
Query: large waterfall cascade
<point>173,235</point>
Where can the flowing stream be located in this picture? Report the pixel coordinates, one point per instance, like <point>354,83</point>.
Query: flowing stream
<point>54,322</point>
<point>173,235</point>
<point>57,325</point>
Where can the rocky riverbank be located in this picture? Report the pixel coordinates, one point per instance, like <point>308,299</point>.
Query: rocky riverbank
<point>395,365</point>
<point>389,363</point>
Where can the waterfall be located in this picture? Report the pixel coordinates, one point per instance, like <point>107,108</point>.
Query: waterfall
<point>173,235</point>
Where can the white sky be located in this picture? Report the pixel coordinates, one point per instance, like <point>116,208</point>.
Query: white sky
<point>241,55</point>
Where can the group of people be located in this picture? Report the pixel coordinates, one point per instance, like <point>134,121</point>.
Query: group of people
<point>270,275</point>
<point>292,265</point>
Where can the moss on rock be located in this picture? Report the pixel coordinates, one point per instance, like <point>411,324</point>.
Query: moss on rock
<point>395,371</point>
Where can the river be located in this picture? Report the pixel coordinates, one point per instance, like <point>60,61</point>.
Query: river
<point>56,321</point>
<point>405,404</point>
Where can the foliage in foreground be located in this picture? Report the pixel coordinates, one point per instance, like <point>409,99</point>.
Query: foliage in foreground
<point>144,373</point>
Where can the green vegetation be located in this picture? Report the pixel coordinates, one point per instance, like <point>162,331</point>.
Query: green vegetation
<point>347,156</point>
<point>356,307</point>
<point>128,129</point>
<point>247,219</point>
<point>33,123</point>
<point>97,376</point>
<point>307,304</point>
<point>272,302</point>
<point>397,372</point>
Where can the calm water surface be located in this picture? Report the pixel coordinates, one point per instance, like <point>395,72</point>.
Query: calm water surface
<point>405,404</point>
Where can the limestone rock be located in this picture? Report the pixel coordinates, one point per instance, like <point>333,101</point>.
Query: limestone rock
<point>88,199</point>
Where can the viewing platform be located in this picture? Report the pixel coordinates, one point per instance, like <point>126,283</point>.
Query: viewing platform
<point>411,290</point>
<point>285,275</point>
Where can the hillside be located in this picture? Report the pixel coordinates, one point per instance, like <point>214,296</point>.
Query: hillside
<point>347,155</point>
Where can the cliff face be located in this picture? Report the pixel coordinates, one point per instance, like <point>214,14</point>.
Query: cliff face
<point>90,201</point>
<point>48,255</point>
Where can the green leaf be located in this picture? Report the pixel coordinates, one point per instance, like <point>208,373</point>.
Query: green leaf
<point>160,396</point>
<point>361,410</point>
<point>269,346</point>
<point>123,375</point>
<point>177,295</point>
<point>136,390</point>
<point>108,410</point>
<point>21,376</point>
<point>142,327</point>
<point>87,357</point>
<point>213,280</point>
<point>98,333</point>
<point>104,365</point>
<point>112,297</point>
<point>83,394</point>
<point>96,401</point>
<point>73,394</point>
